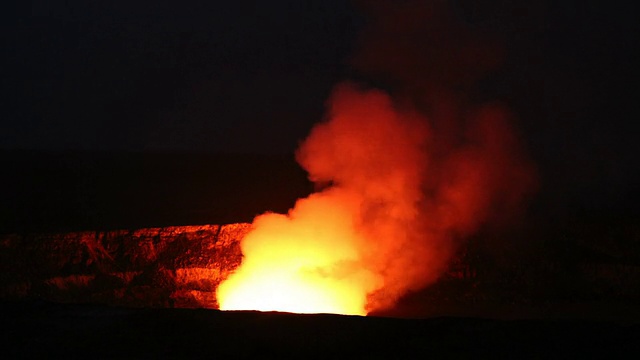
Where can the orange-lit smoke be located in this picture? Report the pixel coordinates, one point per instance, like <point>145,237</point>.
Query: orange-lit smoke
<point>401,188</point>
<point>382,227</point>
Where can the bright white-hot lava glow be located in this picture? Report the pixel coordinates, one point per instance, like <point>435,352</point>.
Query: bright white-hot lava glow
<point>304,262</point>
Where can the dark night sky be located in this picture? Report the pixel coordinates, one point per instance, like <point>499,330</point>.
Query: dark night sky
<point>213,76</point>
<point>203,77</point>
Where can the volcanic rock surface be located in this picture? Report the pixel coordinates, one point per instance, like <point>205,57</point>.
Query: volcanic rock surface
<point>45,330</point>
<point>182,266</point>
<point>178,266</point>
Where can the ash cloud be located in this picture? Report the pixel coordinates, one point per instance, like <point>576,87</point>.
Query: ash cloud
<point>413,169</point>
<point>469,168</point>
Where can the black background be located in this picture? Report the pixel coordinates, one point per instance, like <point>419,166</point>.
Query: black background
<point>95,94</point>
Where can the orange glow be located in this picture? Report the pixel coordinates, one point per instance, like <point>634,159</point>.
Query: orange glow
<point>335,248</point>
<point>304,262</point>
<point>389,222</point>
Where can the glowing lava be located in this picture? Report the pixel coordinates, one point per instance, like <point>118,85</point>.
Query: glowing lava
<point>304,262</point>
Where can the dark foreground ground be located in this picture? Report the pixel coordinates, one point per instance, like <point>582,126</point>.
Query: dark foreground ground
<point>86,331</point>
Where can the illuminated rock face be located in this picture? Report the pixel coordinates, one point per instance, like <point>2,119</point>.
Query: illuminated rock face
<point>178,266</point>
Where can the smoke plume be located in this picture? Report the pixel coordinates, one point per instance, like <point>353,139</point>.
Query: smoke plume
<point>406,174</point>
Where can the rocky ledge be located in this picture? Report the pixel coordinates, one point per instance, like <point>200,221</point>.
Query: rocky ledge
<point>178,266</point>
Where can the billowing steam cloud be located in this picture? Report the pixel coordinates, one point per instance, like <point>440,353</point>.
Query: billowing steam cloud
<point>406,178</point>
